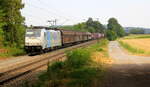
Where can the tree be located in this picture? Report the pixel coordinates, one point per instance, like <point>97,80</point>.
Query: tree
<point>14,28</point>
<point>1,21</point>
<point>116,27</point>
<point>96,25</point>
<point>111,35</point>
<point>1,25</point>
<point>80,27</point>
<point>99,27</point>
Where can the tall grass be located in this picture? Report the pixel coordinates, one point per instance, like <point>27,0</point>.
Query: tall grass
<point>131,48</point>
<point>100,46</point>
<point>76,71</point>
<point>12,52</point>
<point>6,52</point>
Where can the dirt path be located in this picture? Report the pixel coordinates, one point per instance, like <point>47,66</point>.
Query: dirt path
<point>127,70</point>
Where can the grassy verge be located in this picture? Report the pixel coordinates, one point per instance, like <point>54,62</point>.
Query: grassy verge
<point>6,52</point>
<point>82,68</point>
<point>131,49</point>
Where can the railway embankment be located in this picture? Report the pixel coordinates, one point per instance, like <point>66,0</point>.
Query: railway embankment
<point>20,71</point>
<point>83,67</point>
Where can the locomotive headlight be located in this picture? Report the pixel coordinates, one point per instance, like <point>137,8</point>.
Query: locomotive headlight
<point>38,43</point>
<point>27,44</point>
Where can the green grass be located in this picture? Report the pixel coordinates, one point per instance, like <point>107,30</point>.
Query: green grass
<point>131,48</point>
<point>12,52</point>
<point>138,36</point>
<point>76,71</point>
<point>100,47</point>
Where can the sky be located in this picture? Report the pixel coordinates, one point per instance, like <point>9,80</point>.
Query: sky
<point>129,13</point>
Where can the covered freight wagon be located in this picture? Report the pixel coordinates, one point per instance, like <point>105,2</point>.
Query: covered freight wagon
<point>68,36</point>
<point>97,35</point>
<point>78,36</point>
<point>89,35</point>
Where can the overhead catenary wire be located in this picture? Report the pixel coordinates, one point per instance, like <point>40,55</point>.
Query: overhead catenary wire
<point>33,16</point>
<point>36,19</point>
<point>67,18</point>
<point>46,11</point>
<point>45,4</point>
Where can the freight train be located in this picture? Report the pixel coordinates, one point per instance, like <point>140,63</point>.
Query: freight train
<point>43,40</point>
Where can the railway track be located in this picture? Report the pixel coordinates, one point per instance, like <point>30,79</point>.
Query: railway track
<point>27,71</point>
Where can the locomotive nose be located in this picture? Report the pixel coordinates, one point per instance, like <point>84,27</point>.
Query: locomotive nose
<point>32,42</point>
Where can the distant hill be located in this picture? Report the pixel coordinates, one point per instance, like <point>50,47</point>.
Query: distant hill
<point>128,29</point>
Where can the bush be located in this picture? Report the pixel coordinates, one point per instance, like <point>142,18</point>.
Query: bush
<point>82,77</point>
<point>56,71</point>
<point>78,58</point>
<point>53,77</point>
<point>111,35</point>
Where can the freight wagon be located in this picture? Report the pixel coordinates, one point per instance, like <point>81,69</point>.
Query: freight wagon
<point>71,37</point>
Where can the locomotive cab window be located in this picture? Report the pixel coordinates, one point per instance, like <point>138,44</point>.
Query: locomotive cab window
<point>33,33</point>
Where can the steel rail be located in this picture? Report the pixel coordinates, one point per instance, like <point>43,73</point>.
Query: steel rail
<point>12,74</point>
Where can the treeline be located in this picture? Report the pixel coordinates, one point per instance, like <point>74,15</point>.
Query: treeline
<point>136,31</point>
<point>113,30</point>
<point>89,26</point>
<point>11,23</point>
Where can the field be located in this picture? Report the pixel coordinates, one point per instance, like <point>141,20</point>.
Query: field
<point>137,36</point>
<point>137,44</point>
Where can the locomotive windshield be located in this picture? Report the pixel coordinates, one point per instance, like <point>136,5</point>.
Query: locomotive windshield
<point>33,33</point>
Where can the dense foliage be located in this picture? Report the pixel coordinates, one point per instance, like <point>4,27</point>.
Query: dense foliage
<point>74,72</point>
<point>78,70</point>
<point>89,26</point>
<point>1,25</point>
<point>13,30</point>
<point>114,28</point>
<point>111,35</point>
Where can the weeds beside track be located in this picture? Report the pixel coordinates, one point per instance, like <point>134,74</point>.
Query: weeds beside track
<point>82,68</point>
<point>19,75</point>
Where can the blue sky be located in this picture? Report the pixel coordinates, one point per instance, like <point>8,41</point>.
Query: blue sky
<point>128,12</point>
